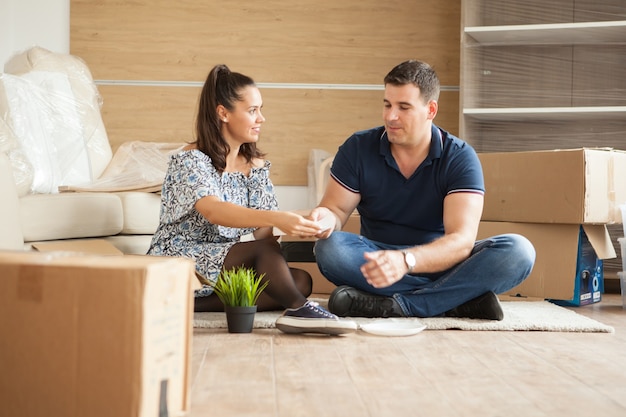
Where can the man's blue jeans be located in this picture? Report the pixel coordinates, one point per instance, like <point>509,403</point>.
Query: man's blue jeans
<point>496,264</point>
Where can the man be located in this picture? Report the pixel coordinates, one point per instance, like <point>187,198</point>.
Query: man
<point>419,191</point>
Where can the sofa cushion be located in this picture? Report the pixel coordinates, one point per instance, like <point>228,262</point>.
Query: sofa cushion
<point>70,215</point>
<point>141,212</point>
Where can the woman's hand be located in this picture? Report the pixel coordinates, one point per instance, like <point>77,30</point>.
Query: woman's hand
<point>296,225</point>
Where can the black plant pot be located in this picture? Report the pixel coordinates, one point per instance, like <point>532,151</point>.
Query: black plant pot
<point>240,319</point>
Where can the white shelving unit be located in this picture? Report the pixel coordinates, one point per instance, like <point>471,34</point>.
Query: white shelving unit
<point>546,113</point>
<point>524,81</point>
<point>584,33</point>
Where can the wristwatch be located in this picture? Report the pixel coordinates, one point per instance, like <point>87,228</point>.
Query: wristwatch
<point>409,259</point>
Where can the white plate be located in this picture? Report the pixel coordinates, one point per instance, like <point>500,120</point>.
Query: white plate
<point>393,327</point>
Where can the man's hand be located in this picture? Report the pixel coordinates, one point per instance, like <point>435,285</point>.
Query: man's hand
<point>326,219</point>
<point>384,267</point>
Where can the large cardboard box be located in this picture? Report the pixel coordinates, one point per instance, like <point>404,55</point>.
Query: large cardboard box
<point>568,268</point>
<point>89,335</point>
<point>572,186</point>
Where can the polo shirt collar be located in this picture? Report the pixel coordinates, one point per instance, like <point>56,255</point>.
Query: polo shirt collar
<point>436,145</point>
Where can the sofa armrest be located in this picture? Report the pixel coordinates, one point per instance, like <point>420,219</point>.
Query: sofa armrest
<point>11,236</point>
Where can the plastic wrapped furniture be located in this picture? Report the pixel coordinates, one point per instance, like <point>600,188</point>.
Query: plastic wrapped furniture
<point>52,139</point>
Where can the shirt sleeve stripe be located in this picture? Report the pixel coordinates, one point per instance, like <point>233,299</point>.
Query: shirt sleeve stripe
<point>466,190</point>
<point>344,185</point>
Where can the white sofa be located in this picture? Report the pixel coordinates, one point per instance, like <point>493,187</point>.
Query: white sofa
<point>52,135</point>
<point>126,219</point>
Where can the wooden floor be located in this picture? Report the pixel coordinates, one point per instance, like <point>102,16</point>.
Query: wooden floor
<point>434,373</point>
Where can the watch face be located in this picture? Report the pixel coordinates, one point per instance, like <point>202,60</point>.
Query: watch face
<point>409,259</point>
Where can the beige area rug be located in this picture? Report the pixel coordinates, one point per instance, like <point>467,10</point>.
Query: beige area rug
<point>518,316</point>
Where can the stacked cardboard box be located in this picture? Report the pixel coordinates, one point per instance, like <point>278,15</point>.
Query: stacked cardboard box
<point>561,200</point>
<point>92,335</point>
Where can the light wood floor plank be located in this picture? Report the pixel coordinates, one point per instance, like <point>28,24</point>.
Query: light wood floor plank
<point>312,379</point>
<point>439,373</point>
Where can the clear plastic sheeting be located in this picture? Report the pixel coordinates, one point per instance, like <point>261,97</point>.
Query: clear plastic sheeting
<point>516,12</point>
<point>8,141</point>
<point>50,105</point>
<point>546,76</point>
<point>527,135</point>
<point>21,169</point>
<point>136,166</point>
<point>46,123</point>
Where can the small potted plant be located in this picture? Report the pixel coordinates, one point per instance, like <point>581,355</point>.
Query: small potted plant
<point>239,289</point>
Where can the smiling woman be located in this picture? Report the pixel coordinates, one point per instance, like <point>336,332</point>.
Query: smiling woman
<point>242,122</point>
<point>217,190</point>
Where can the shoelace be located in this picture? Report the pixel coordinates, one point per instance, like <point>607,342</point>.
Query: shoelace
<point>313,305</point>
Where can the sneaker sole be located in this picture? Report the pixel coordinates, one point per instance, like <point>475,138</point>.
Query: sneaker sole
<point>331,327</point>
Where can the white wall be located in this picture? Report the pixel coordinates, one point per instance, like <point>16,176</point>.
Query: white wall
<point>46,23</point>
<point>27,23</point>
<point>292,197</point>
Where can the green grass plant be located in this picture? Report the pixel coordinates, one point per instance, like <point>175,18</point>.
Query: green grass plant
<point>239,286</point>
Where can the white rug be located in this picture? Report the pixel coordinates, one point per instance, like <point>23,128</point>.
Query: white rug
<point>518,315</point>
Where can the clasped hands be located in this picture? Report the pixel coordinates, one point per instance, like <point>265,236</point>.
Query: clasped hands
<point>381,268</point>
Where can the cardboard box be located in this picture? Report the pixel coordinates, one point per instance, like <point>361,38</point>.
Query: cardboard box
<point>90,335</point>
<point>573,186</point>
<point>568,266</point>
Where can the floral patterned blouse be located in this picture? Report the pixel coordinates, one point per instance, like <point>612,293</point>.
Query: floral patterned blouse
<point>184,232</point>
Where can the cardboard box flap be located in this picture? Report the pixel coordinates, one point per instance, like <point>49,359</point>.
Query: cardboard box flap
<point>600,239</point>
<point>561,249</point>
<point>90,246</point>
<point>596,184</point>
<point>617,189</point>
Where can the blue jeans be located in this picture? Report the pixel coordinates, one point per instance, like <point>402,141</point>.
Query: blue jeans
<point>496,264</point>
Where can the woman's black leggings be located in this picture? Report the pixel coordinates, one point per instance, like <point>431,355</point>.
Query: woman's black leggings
<point>287,288</point>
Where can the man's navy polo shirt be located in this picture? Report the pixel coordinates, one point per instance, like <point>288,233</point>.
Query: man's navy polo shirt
<point>401,211</point>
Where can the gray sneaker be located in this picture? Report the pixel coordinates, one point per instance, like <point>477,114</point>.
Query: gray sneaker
<point>312,318</point>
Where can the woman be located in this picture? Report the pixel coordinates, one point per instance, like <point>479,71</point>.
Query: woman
<point>218,190</point>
